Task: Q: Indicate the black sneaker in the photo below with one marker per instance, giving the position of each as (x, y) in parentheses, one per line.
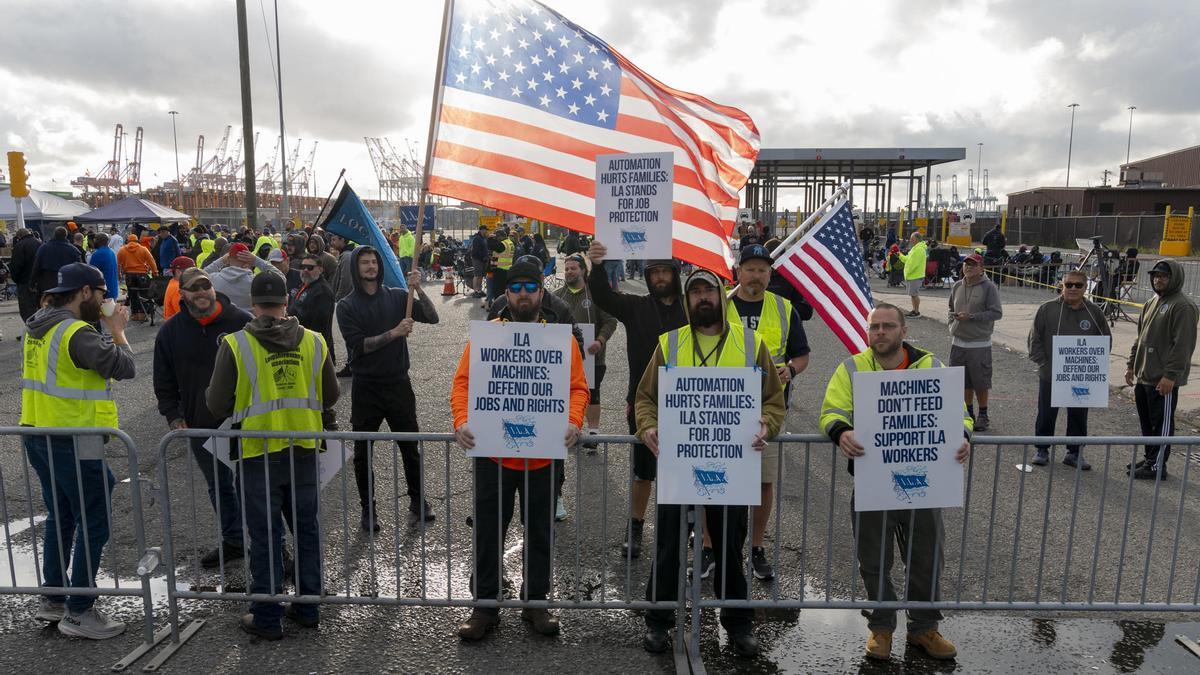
(758, 561)
(294, 614)
(248, 625)
(913, 314)
(344, 372)
(982, 422)
(229, 550)
(634, 544)
(1042, 458)
(1148, 472)
(1072, 459)
(416, 513)
(370, 521)
(1134, 466)
(745, 644)
(656, 641)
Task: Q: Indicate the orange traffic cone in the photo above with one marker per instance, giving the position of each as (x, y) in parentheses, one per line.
(448, 287)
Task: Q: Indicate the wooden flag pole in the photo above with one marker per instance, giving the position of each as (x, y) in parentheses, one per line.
(434, 117)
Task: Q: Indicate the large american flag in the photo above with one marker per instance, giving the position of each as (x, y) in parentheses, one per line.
(826, 266)
(528, 101)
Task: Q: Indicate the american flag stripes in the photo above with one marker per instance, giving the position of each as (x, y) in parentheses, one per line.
(528, 101)
(826, 266)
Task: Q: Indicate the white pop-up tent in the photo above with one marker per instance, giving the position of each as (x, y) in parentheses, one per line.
(40, 206)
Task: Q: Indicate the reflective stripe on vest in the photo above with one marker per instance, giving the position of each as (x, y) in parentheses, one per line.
(773, 326)
(259, 406)
(55, 391)
(50, 387)
(505, 259)
(672, 354)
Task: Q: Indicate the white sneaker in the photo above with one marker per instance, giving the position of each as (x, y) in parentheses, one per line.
(50, 611)
(560, 511)
(92, 624)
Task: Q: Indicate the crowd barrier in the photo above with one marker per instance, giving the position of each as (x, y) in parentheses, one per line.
(1045, 539)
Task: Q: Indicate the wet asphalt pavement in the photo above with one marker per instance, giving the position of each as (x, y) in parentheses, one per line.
(1033, 540)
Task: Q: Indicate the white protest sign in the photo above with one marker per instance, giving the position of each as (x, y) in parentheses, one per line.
(329, 462)
(519, 389)
(1079, 371)
(634, 195)
(707, 419)
(589, 359)
(911, 424)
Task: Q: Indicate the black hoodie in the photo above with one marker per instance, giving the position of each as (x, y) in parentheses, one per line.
(361, 315)
(645, 318)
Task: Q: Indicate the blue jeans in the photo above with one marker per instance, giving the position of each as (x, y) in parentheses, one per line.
(613, 269)
(405, 264)
(229, 512)
(269, 485)
(72, 521)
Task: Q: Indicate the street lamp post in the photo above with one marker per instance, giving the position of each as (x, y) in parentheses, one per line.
(1129, 139)
(978, 179)
(175, 137)
(1071, 141)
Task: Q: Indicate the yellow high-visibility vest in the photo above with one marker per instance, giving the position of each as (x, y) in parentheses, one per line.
(55, 392)
(505, 259)
(277, 391)
(740, 348)
(774, 323)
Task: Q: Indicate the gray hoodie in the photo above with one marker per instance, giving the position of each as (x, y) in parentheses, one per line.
(235, 281)
(1058, 318)
(981, 301)
(88, 348)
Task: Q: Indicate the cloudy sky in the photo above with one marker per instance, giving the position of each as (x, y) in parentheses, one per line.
(812, 73)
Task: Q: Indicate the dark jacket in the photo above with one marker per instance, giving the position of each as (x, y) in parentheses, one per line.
(343, 280)
(645, 318)
(1166, 335)
(1056, 317)
(184, 355)
(313, 305)
(361, 315)
(23, 254)
(994, 241)
(276, 335)
(780, 286)
(327, 259)
(52, 256)
(479, 247)
(168, 250)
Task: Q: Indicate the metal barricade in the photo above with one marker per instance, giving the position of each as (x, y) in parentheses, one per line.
(123, 568)
(1043, 539)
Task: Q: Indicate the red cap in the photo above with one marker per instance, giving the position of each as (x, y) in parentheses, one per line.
(238, 248)
(975, 258)
(182, 263)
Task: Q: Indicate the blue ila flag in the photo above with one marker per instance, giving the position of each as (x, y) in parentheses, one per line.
(350, 218)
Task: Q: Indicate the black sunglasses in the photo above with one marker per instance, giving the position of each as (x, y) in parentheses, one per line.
(1074, 284)
(527, 286)
(308, 267)
(200, 285)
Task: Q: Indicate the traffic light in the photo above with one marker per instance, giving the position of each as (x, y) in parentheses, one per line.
(17, 175)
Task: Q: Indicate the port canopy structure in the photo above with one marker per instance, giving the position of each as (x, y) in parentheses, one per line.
(872, 172)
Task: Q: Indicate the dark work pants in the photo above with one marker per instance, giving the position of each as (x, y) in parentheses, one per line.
(729, 579)
(1047, 417)
(879, 534)
(27, 301)
(370, 404)
(269, 485)
(136, 284)
(221, 492)
(1157, 415)
(494, 489)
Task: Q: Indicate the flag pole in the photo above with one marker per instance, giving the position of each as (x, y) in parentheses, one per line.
(325, 204)
(434, 108)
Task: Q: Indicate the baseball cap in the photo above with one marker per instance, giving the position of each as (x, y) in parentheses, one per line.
(755, 252)
(238, 248)
(182, 263)
(268, 288)
(77, 275)
(526, 268)
(662, 262)
(975, 258)
(701, 275)
(1160, 267)
(276, 255)
(189, 277)
(575, 257)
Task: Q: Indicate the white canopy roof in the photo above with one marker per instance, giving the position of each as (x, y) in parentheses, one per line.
(40, 206)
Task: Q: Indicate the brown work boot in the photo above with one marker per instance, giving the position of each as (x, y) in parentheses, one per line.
(879, 645)
(934, 645)
(477, 626)
(543, 622)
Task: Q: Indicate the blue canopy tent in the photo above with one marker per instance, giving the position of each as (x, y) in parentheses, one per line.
(134, 210)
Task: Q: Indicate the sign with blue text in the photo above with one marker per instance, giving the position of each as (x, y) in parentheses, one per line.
(910, 423)
(519, 389)
(707, 419)
(1079, 371)
(634, 204)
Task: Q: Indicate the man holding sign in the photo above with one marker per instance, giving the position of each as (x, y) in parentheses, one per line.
(876, 531)
(599, 325)
(706, 427)
(515, 381)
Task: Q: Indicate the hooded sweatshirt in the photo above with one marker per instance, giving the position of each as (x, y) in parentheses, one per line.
(88, 349)
(276, 335)
(220, 246)
(206, 249)
(343, 280)
(362, 315)
(980, 300)
(645, 317)
(233, 281)
(133, 258)
(1058, 318)
(646, 401)
(1166, 334)
(328, 262)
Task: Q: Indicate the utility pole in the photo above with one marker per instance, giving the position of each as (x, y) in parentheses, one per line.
(1070, 142)
(247, 116)
(978, 177)
(175, 136)
(1106, 173)
(284, 212)
(1129, 139)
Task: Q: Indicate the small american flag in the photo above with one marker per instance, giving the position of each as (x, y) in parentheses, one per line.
(826, 266)
(529, 99)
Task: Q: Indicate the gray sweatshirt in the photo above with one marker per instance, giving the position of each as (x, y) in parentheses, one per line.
(1058, 318)
(235, 281)
(88, 348)
(981, 302)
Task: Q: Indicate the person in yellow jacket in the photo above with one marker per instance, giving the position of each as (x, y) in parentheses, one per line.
(276, 375)
(875, 531)
(67, 368)
(709, 339)
(914, 270)
(406, 244)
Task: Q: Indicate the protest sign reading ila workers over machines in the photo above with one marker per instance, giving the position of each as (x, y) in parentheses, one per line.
(634, 195)
(519, 389)
(1079, 371)
(707, 419)
(911, 424)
